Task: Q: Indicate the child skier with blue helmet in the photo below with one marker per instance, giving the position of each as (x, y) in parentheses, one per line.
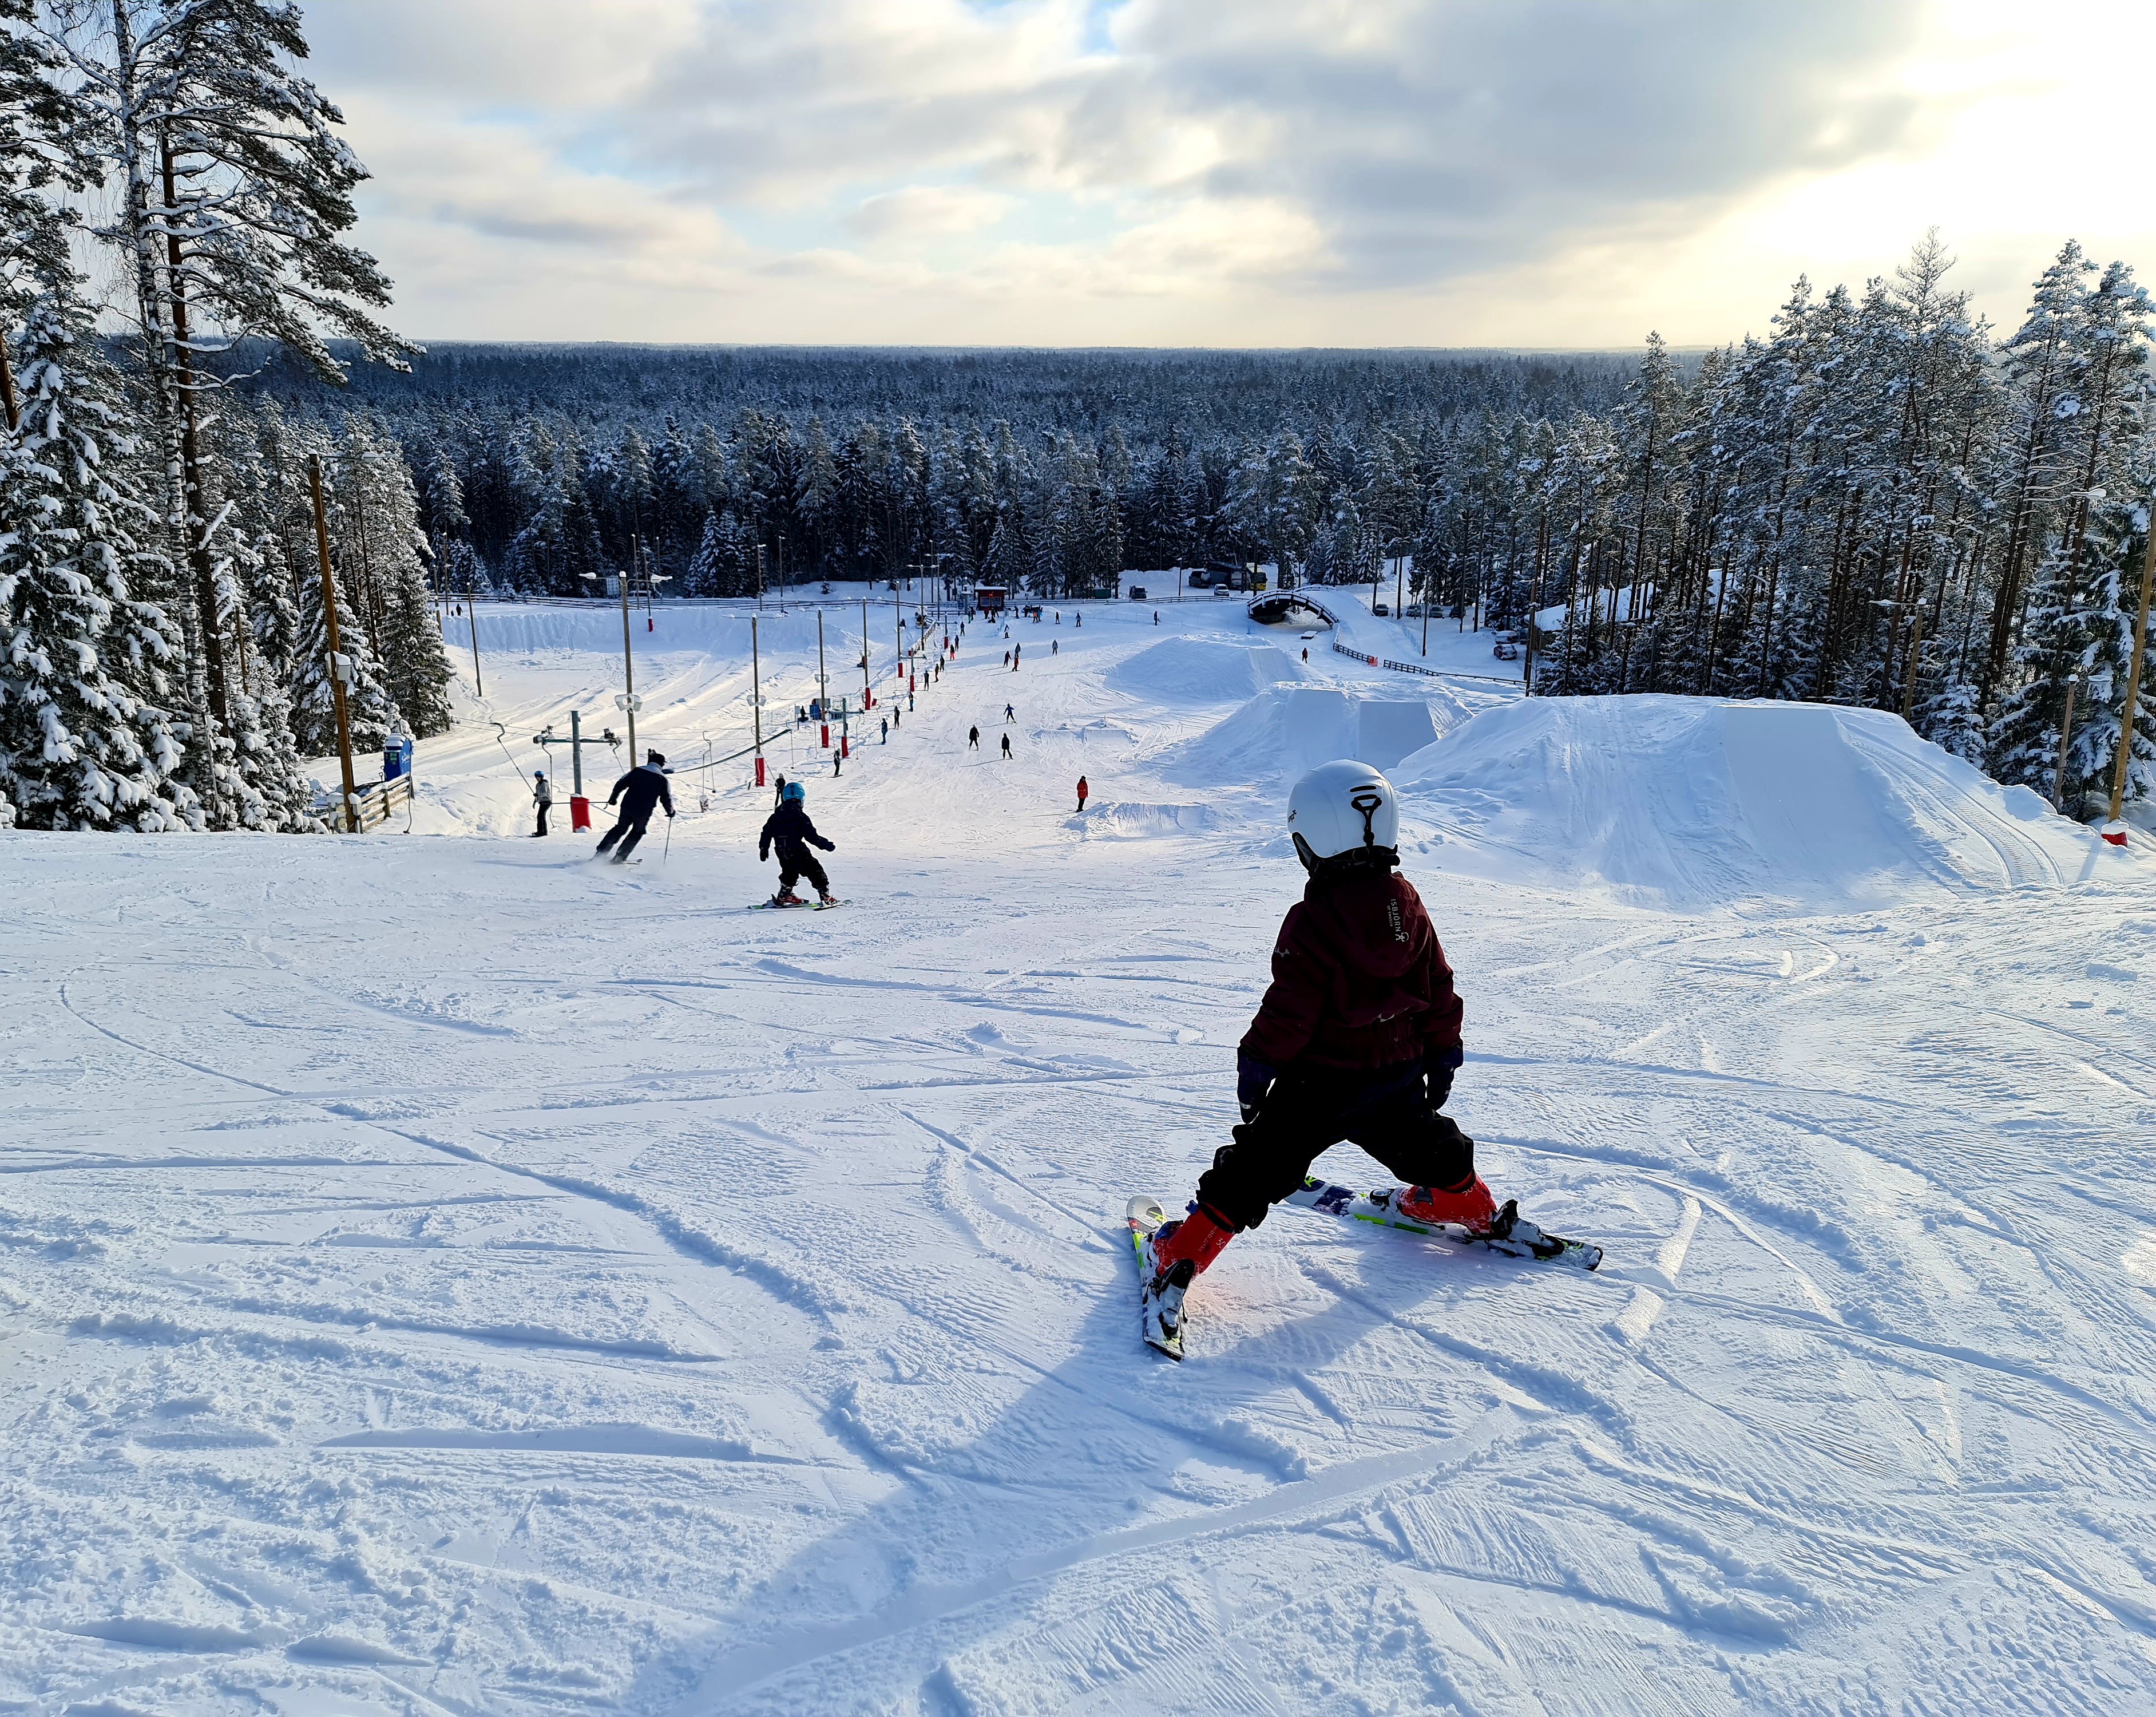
(789, 830)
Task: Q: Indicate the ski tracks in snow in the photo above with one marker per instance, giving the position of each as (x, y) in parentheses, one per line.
(555, 1290)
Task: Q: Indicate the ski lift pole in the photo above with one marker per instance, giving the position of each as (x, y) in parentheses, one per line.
(628, 672)
(868, 691)
(822, 684)
(756, 694)
(471, 614)
(340, 665)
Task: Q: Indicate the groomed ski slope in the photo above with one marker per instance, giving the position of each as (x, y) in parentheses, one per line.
(438, 1276)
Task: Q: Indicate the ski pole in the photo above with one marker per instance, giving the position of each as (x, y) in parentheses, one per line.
(669, 847)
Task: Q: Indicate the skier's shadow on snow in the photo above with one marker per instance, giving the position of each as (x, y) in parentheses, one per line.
(1058, 1479)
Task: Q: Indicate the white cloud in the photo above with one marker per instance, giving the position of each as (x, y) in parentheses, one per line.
(1306, 171)
(920, 211)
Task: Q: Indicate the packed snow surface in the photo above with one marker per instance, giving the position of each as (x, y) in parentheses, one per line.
(440, 1276)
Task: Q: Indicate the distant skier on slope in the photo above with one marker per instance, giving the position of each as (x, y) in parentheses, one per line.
(1358, 1038)
(638, 791)
(542, 799)
(973, 738)
(1007, 751)
(1082, 791)
(789, 830)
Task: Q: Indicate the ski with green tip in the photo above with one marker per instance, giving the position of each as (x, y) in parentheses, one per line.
(1160, 1314)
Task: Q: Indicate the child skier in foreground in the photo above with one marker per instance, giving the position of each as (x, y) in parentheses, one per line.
(1358, 1038)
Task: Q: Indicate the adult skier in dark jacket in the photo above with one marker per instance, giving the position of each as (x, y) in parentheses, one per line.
(1358, 1038)
(789, 830)
(640, 790)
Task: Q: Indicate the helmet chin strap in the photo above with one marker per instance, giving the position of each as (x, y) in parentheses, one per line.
(1369, 856)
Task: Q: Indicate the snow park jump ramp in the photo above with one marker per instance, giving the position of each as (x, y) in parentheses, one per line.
(1686, 804)
(1286, 729)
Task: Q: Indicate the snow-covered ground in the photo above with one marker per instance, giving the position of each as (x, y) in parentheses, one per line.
(436, 1275)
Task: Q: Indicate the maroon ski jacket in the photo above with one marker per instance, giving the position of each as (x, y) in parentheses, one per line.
(1358, 981)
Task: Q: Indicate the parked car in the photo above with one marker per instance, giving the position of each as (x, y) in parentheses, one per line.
(1382, 611)
(1137, 593)
(1507, 652)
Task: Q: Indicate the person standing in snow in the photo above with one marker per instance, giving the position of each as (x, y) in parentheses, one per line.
(973, 738)
(1358, 1038)
(1010, 715)
(640, 790)
(1007, 751)
(1006, 658)
(789, 830)
(542, 800)
(1081, 795)
(883, 725)
(778, 792)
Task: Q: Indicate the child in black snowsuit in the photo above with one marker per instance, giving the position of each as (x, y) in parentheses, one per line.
(789, 830)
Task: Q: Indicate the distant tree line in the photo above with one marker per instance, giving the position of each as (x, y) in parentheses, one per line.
(1877, 501)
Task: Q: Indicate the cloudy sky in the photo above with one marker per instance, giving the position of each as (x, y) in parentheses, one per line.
(1217, 173)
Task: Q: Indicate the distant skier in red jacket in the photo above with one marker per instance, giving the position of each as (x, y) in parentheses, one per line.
(1082, 790)
(1358, 1038)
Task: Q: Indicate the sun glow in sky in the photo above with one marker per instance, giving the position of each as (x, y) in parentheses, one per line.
(1275, 172)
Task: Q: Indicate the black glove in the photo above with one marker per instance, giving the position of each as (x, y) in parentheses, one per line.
(1253, 1080)
(1437, 1072)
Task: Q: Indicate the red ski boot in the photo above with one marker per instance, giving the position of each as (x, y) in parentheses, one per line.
(1197, 1238)
(1469, 1204)
(1174, 1255)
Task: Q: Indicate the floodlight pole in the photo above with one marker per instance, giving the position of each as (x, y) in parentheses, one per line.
(2124, 760)
(336, 647)
(7, 389)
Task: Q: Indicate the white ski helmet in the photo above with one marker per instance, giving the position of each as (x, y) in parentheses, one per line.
(1340, 811)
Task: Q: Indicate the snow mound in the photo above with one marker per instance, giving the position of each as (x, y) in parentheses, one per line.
(1204, 670)
(1287, 729)
(1118, 821)
(1685, 801)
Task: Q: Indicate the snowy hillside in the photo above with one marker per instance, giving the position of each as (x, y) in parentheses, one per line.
(438, 1275)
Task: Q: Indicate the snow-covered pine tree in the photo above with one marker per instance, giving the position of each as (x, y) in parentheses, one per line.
(373, 714)
(234, 192)
(85, 740)
(379, 514)
(254, 580)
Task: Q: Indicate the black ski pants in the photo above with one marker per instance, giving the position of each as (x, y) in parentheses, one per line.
(1308, 1112)
(625, 826)
(544, 806)
(795, 862)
